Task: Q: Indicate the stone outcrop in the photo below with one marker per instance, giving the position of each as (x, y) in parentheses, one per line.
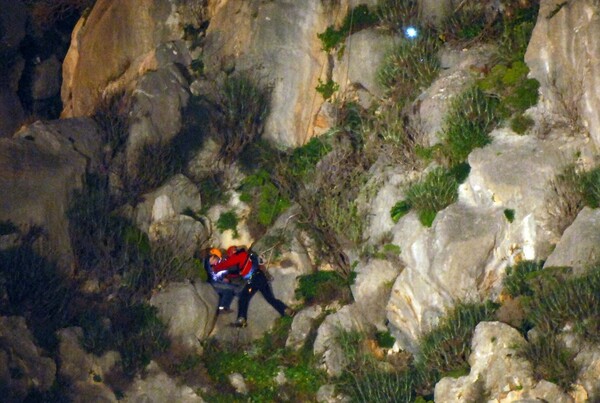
(156, 386)
(371, 289)
(451, 261)
(188, 310)
(23, 366)
(129, 33)
(578, 247)
(564, 56)
(84, 371)
(40, 169)
(278, 42)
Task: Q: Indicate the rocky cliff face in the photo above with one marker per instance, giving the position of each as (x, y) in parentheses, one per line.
(168, 54)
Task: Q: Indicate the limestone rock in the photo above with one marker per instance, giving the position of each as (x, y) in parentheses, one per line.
(130, 33)
(302, 326)
(495, 369)
(181, 235)
(40, 169)
(452, 261)
(357, 69)
(168, 201)
(371, 289)
(432, 106)
(514, 172)
(188, 310)
(23, 368)
(158, 99)
(11, 111)
(327, 345)
(46, 79)
(579, 244)
(327, 394)
(278, 41)
(239, 383)
(157, 387)
(564, 56)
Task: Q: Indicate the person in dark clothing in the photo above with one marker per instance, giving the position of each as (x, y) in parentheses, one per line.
(240, 262)
(222, 285)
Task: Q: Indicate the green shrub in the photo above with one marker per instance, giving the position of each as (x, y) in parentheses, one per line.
(517, 278)
(357, 19)
(396, 15)
(303, 160)
(590, 185)
(516, 32)
(265, 198)
(243, 108)
(385, 339)
(408, 68)
(435, 192)
(399, 210)
(447, 347)
(327, 89)
(551, 361)
(323, 287)
(228, 221)
(471, 118)
(559, 299)
(509, 214)
(466, 23)
(520, 124)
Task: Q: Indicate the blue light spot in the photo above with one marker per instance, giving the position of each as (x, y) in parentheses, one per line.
(411, 32)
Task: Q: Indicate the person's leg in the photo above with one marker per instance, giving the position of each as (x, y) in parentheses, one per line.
(260, 282)
(225, 299)
(243, 303)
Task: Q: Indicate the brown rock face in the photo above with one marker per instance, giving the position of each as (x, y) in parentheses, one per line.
(114, 42)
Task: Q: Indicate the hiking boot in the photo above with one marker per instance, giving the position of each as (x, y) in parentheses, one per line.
(240, 322)
(223, 310)
(289, 312)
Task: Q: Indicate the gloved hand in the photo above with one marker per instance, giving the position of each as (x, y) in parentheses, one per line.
(219, 276)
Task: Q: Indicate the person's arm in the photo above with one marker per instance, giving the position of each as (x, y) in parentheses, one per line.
(231, 264)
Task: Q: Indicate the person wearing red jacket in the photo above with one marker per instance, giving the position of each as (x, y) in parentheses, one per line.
(239, 262)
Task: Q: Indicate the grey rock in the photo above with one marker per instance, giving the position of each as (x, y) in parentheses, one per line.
(23, 366)
(46, 79)
(371, 289)
(11, 111)
(302, 325)
(157, 387)
(357, 69)
(579, 244)
(454, 260)
(189, 312)
(176, 196)
(40, 169)
(564, 56)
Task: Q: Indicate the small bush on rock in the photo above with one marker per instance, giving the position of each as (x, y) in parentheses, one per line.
(242, 110)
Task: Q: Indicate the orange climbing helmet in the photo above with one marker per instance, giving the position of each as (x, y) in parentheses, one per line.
(216, 252)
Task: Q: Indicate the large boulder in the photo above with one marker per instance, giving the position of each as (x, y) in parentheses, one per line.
(23, 366)
(579, 245)
(497, 371)
(40, 169)
(371, 289)
(455, 260)
(172, 199)
(279, 42)
(130, 33)
(564, 56)
(357, 68)
(155, 386)
(188, 310)
(84, 371)
(328, 343)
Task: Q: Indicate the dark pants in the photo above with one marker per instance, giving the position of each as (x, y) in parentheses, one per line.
(260, 283)
(226, 293)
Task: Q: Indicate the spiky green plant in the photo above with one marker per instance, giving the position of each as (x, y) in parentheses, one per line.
(467, 126)
(517, 278)
(551, 360)
(409, 67)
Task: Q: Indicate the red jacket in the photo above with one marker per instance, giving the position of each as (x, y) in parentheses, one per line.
(234, 263)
